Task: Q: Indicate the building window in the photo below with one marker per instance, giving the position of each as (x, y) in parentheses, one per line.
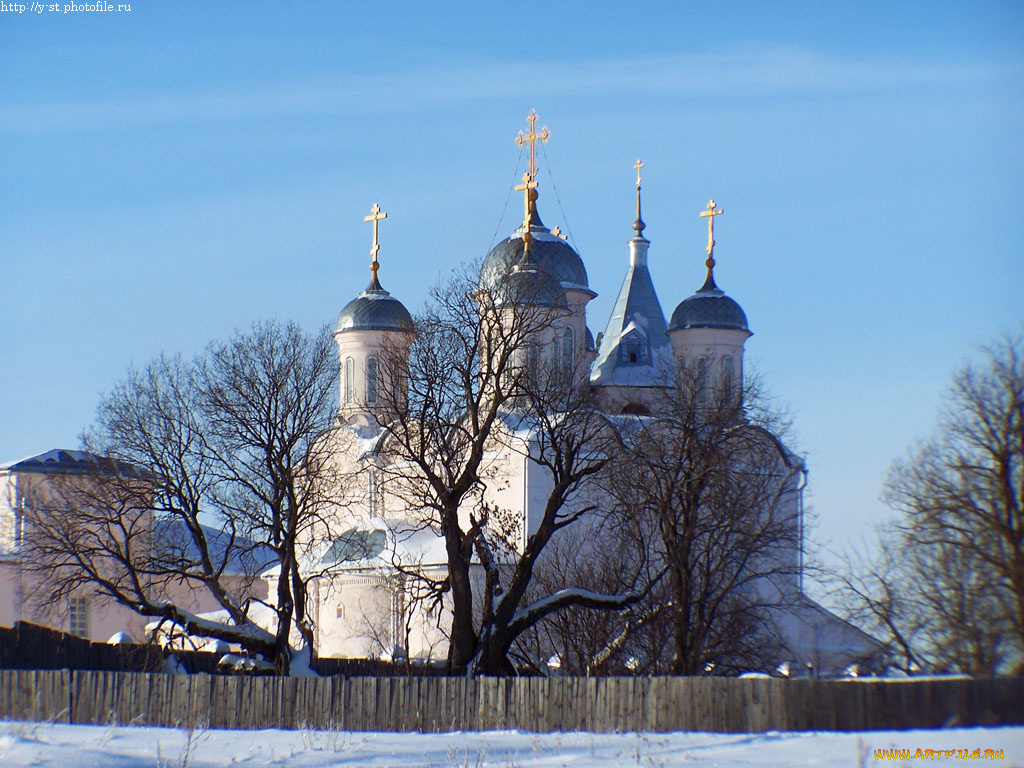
(633, 349)
(78, 616)
(349, 380)
(636, 409)
(727, 375)
(371, 380)
(568, 352)
(340, 612)
(702, 380)
(532, 364)
(398, 627)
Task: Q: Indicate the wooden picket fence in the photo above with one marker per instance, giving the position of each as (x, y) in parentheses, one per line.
(439, 704)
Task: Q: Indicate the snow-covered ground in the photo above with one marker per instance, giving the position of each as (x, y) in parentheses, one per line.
(71, 746)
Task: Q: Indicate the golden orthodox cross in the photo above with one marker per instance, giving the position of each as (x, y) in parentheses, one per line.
(527, 185)
(376, 214)
(638, 166)
(533, 137)
(711, 212)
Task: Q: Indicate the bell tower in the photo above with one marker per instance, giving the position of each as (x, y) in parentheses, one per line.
(708, 330)
(373, 334)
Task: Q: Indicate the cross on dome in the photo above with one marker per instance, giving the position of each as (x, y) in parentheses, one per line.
(710, 212)
(528, 186)
(376, 214)
(638, 225)
(532, 138)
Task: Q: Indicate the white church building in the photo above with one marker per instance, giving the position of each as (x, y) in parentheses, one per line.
(361, 607)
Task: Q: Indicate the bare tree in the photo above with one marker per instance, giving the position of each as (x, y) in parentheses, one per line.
(479, 383)
(881, 596)
(714, 487)
(208, 465)
(581, 641)
(960, 535)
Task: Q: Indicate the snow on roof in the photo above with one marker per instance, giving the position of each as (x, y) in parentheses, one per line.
(366, 439)
(60, 461)
(242, 555)
(260, 614)
(379, 542)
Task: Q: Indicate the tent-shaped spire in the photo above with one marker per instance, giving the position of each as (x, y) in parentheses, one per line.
(634, 350)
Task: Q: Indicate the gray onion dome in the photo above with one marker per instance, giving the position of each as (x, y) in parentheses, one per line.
(528, 285)
(708, 308)
(549, 251)
(374, 310)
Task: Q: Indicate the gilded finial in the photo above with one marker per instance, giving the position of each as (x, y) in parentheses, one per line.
(376, 214)
(710, 212)
(529, 190)
(532, 138)
(638, 225)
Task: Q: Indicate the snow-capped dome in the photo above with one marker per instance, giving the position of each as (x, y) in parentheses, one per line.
(374, 310)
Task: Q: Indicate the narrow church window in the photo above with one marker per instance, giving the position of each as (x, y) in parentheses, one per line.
(371, 380)
(532, 364)
(349, 380)
(702, 380)
(398, 624)
(727, 375)
(568, 352)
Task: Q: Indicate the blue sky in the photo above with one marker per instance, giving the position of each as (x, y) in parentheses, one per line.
(179, 170)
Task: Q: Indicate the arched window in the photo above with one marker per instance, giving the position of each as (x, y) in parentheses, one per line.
(349, 380)
(727, 375)
(702, 380)
(371, 380)
(532, 363)
(568, 352)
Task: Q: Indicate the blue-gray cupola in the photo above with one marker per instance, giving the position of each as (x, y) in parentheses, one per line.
(371, 330)
(708, 329)
(709, 307)
(547, 250)
(634, 354)
(374, 310)
(535, 266)
(523, 281)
